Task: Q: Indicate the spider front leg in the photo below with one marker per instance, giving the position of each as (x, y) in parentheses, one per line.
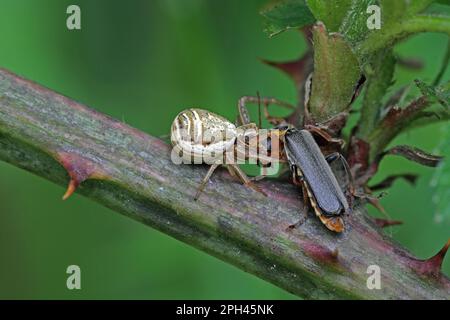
(244, 117)
(324, 134)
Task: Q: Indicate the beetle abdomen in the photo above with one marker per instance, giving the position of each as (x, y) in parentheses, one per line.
(303, 151)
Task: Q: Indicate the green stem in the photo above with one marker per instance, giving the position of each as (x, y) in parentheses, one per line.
(388, 35)
(377, 85)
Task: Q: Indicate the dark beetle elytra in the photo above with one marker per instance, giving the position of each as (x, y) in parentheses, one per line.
(312, 171)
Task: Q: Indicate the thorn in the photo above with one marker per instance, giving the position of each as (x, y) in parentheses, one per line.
(297, 69)
(436, 260)
(433, 265)
(321, 253)
(79, 169)
(383, 223)
(376, 203)
(71, 188)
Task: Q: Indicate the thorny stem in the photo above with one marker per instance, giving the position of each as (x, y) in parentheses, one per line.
(131, 172)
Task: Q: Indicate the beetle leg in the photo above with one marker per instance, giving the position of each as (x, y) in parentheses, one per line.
(298, 180)
(244, 116)
(306, 206)
(205, 180)
(245, 180)
(305, 198)
(351, 188)
(332, 157)
(336, 155)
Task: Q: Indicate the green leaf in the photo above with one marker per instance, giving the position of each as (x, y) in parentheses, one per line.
(354, 27)
(440, 182)
(336, 74)
(330, 12)
(286, 14)
(394, 14)
(436, 94)
(439, 94)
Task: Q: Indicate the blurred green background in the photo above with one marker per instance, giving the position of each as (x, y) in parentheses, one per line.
(143, 62)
